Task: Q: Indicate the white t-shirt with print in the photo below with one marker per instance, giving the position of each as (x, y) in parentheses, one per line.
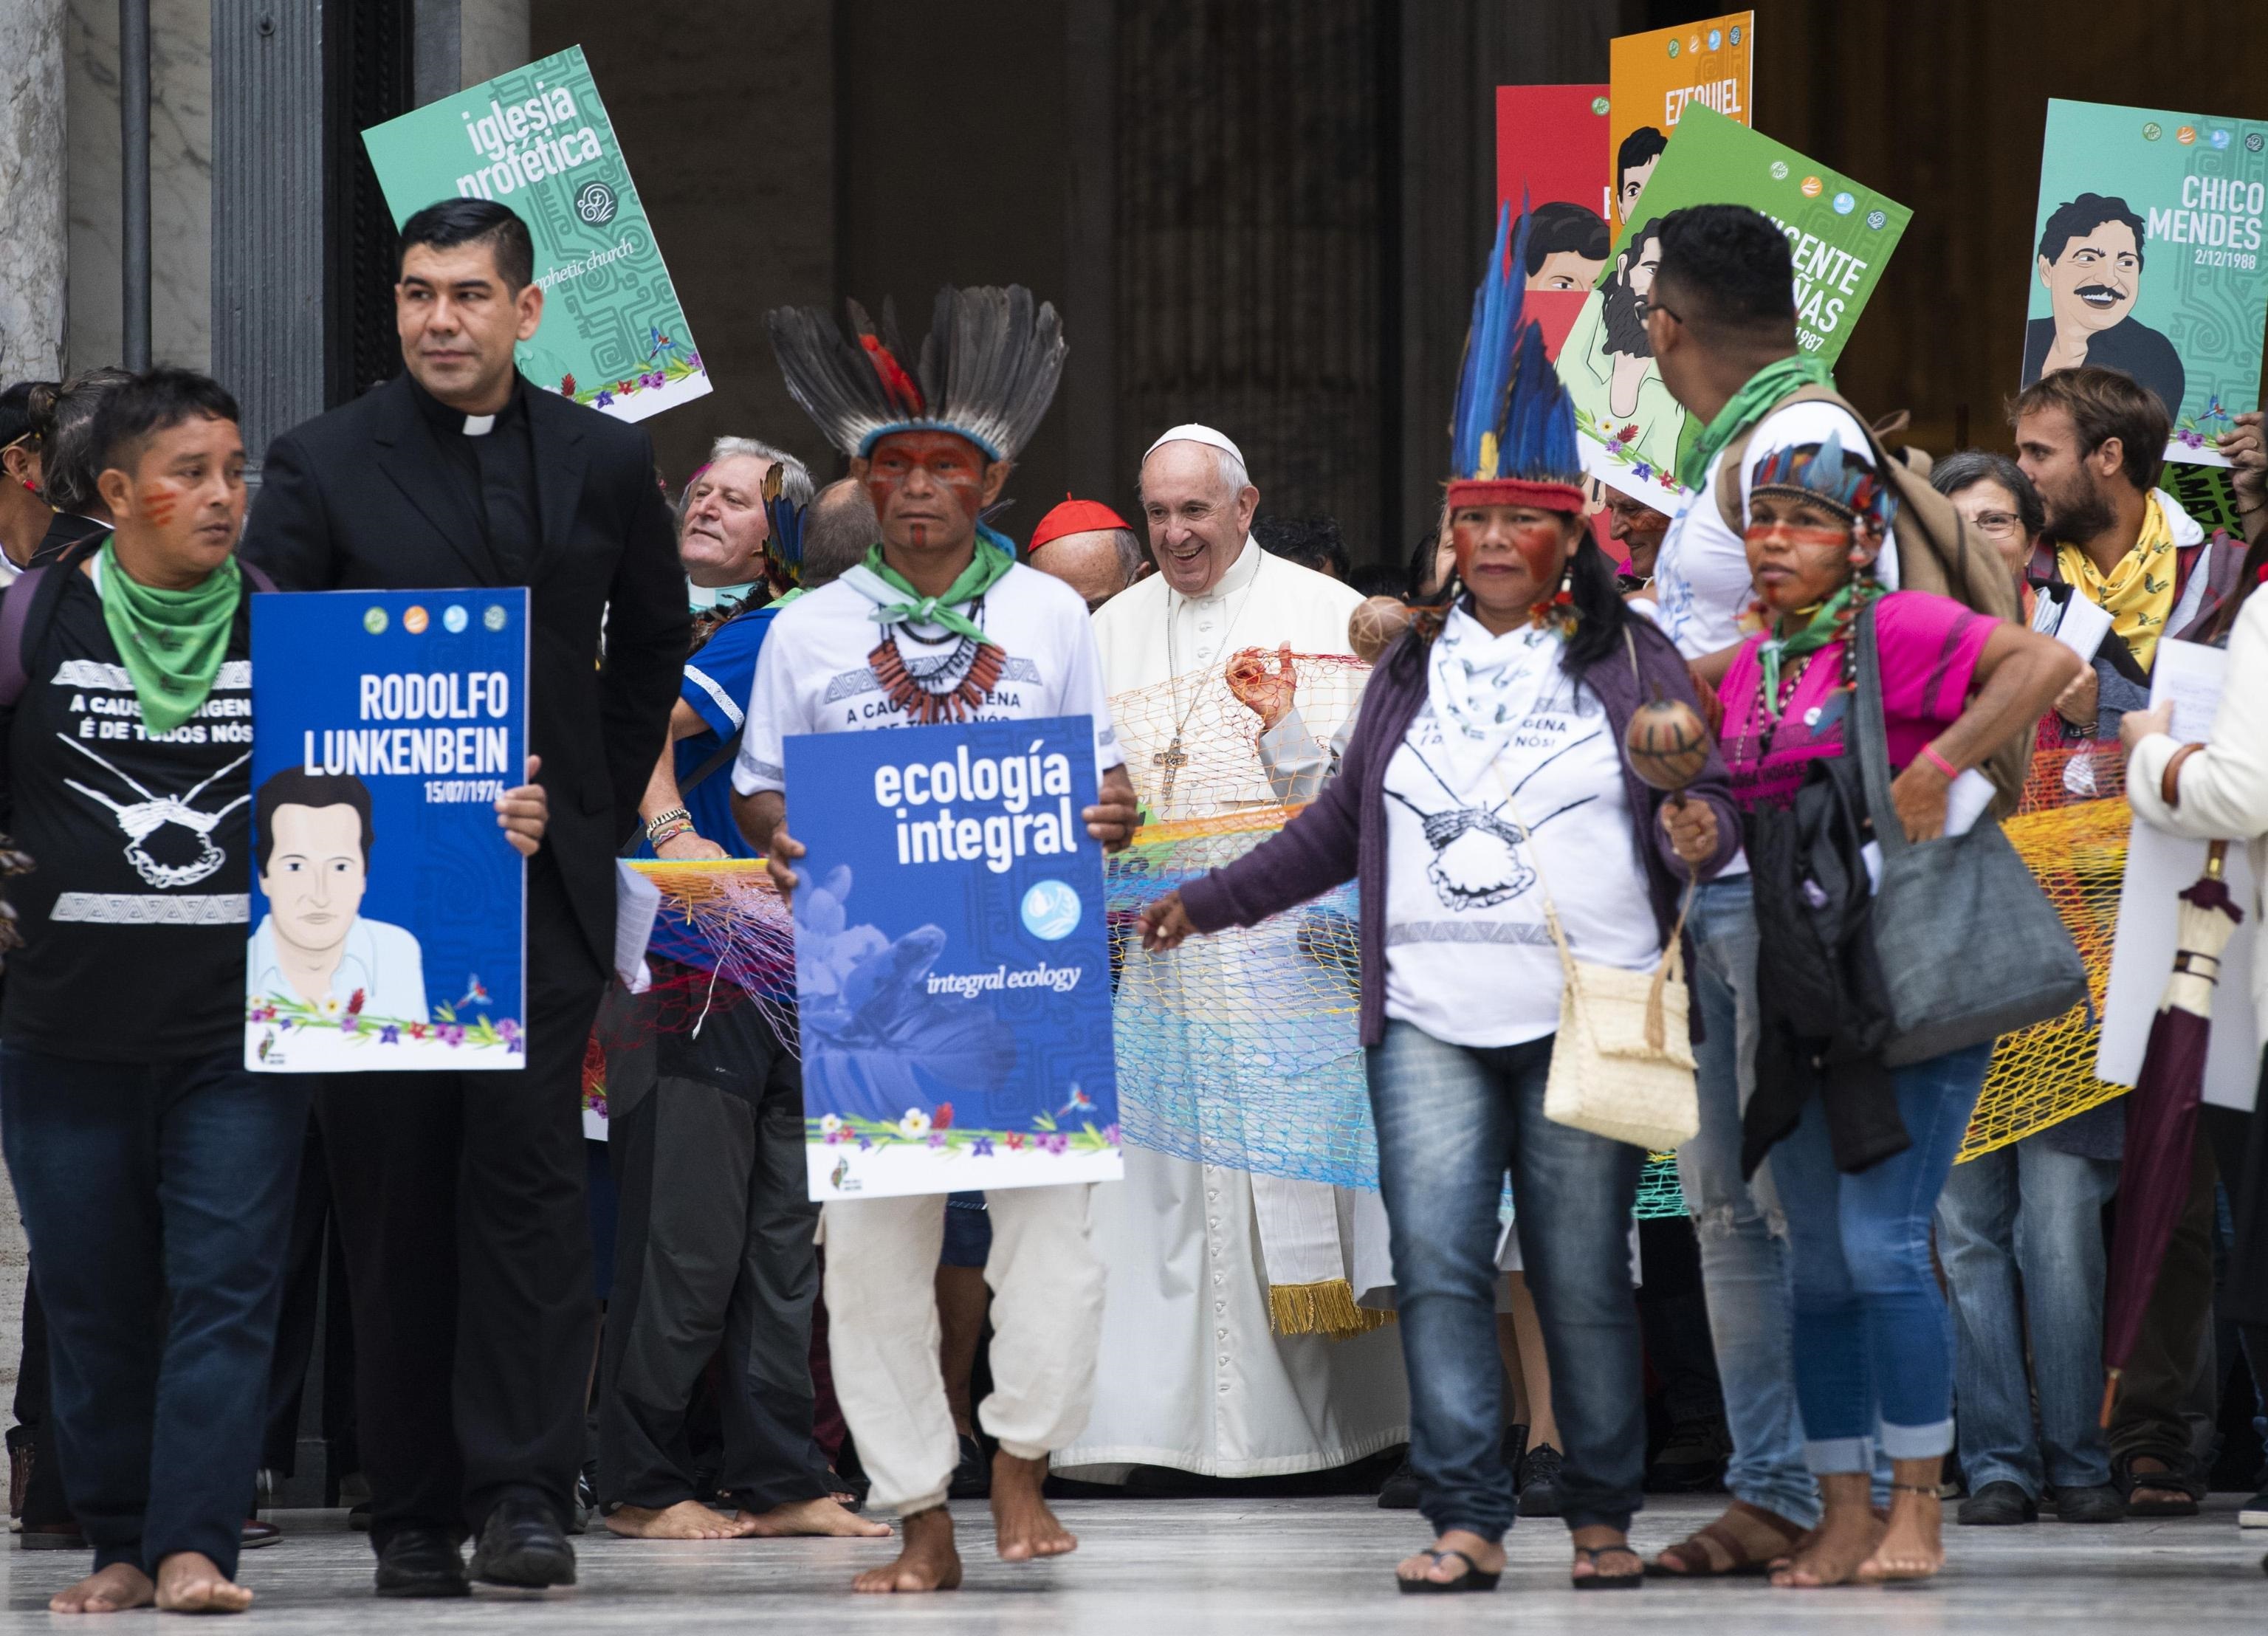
(813, 675)
(1701, 580)
(1468, 957)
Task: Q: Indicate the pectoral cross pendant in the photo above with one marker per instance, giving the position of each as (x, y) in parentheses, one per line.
(1173, 758)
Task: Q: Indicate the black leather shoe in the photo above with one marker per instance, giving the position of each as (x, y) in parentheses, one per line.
(972, 1478)
(1399, 1492)
(2099, 1504)
(521, 1546)
(1539, 1482)
(421, 1562)
(1998, 1505)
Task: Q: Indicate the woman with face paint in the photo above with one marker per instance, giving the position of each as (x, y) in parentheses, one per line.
(1871, 1344)
(1485, 791)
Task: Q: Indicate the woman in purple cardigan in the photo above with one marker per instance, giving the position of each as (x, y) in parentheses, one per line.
(1484, 778)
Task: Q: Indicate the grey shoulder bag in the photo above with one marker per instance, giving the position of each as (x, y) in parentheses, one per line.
(1970, 947)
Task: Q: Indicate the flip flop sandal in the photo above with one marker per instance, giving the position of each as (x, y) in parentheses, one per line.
(1471, 1579)
(1695, 1560)
(1599, 1580)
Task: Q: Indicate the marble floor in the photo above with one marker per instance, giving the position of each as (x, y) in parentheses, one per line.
(1191, 1568)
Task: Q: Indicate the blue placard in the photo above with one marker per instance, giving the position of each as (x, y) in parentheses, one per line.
(388, 911)
(953, 969)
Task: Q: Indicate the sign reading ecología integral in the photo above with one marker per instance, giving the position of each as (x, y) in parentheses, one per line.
(952, 964)
(538, 139)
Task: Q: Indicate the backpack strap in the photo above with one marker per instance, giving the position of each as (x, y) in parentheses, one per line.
(15, 615)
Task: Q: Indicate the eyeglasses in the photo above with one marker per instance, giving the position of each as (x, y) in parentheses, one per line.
(1998, 524)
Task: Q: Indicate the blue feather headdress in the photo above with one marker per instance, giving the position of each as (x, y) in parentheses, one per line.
(1847, 485)
(1512, 434)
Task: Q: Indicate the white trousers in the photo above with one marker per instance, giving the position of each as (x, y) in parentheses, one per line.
(882, 1331)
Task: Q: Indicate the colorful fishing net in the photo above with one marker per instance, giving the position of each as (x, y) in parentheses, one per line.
(722, 938)
(1243, 1048)
(2070, 829)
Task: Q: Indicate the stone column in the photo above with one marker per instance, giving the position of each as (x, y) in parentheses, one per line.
(32, 178)
(270, 270)
(33, 188)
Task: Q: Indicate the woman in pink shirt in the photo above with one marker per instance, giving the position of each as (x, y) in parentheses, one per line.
(1872, 1344)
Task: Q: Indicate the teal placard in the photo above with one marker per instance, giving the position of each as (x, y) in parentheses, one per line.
(538, 139)
(2146, 256)
(1840, 233)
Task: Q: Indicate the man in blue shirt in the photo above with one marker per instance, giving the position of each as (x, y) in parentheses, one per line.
(687, 808)
(714, 1247)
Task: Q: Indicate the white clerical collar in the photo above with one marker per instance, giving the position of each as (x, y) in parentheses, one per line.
(1240, 573)
(479, 426)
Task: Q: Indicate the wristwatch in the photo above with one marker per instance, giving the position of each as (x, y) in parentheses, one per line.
(668, 822)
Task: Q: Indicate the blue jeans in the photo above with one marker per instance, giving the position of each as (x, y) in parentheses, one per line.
(1873, 1342)
(1744, 1260)
(1450, 1121)
(2028, 1211)
(155, 1193)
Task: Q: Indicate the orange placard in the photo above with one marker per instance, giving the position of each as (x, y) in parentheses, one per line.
(1654, 76)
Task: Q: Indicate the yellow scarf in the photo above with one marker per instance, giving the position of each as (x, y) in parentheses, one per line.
(2139, 593)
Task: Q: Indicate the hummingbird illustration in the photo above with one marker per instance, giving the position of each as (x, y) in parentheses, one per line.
(1079, 1103)
(474, 993)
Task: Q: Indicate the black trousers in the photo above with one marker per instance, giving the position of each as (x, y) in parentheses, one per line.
(459, 1201)
(714, 1255)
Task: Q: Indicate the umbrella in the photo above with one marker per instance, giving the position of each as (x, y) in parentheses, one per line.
(2161, 1115)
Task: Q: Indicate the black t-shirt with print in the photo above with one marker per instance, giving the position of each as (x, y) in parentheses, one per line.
(134, 919)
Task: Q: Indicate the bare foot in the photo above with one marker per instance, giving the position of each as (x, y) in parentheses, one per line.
(189, 1583)
(1841, 1541)
(687, 1519)
(1913, 1546)
(1444, 1559)
(1021, 1522)
(117, 1587)
(927, 1562)
(800, 1518)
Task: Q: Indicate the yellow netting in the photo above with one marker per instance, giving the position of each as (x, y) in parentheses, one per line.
(2070, 829)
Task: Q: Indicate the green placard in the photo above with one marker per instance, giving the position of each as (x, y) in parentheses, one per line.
(538, 139)
(2146, 256)
(1840, 232)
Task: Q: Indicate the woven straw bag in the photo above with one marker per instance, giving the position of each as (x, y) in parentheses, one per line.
(1622, 1063)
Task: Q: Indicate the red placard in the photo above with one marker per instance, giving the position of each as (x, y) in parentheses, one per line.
(1552, 149)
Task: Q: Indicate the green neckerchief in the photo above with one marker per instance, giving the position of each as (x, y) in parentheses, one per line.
(986, 569)
(1827, 622)
(1766, 387)
(172, 641)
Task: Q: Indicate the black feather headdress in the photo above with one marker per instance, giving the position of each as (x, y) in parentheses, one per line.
(988, 370)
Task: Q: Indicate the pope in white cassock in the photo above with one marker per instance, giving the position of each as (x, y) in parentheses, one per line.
(1194, 1376)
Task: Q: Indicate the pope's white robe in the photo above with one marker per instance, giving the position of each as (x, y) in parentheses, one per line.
(1193, 1376)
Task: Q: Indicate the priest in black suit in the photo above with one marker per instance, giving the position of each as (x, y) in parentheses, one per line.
(461, 1196)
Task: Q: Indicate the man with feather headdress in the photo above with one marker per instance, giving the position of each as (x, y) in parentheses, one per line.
(965, 633)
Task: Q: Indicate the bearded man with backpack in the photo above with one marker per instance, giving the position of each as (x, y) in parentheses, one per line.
(1721, 322)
